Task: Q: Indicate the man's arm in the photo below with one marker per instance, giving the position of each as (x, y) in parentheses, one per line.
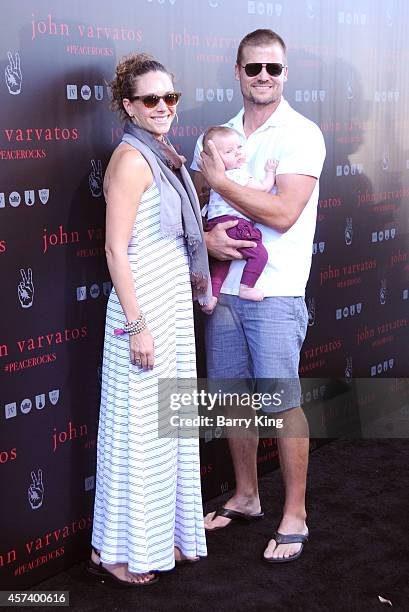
(279, 211)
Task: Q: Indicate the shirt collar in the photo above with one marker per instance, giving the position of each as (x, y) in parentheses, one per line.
(277, 118)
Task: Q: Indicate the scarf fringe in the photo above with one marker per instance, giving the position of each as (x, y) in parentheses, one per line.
(178, 233)
(200, 285)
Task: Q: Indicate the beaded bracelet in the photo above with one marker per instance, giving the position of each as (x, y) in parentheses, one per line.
(132, 327)
(138, 325)
(138, 328)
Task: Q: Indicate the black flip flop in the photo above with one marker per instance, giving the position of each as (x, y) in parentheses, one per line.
(97, 569)
(235, 515)
(291, 538)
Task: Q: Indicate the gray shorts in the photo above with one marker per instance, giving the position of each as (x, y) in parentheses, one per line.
(255, 347)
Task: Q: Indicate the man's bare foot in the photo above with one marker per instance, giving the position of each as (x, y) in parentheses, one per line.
(179, 557)
(288, 525)
(120, 570)
(208, 308)
(247, 506)
(250, 293)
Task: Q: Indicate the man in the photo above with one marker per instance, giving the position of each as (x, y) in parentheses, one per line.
(262, 340)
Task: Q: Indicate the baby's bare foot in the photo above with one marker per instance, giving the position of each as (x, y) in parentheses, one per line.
(251, 293)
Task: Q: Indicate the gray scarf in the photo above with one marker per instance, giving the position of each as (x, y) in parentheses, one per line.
(179, 206)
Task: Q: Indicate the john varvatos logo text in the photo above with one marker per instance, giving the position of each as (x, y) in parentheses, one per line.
(49, 27)
(39, 134)
(26, 347)
(33, 136)
(59, 438)
(40, 549)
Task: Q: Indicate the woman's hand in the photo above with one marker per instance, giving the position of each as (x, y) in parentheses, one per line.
(141, 349)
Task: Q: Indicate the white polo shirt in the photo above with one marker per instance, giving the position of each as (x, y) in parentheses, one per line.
(298, 145)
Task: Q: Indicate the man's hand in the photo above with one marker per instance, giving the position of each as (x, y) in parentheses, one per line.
(221, 246)
(212, 167)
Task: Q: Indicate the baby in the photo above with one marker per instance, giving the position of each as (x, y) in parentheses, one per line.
(230, 149)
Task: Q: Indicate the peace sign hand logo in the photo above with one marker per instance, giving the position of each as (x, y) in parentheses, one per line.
(12, 73)
(36, 490)
(95, 178)
(25, 288)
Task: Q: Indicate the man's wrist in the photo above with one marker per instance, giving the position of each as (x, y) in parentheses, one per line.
(221, 183)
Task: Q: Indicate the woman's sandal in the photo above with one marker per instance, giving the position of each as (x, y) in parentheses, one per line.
(186, 560)
(97, 569)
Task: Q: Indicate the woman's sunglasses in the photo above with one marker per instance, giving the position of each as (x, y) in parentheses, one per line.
(152, 100)
(273, 69)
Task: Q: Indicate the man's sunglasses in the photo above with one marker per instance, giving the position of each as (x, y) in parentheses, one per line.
(273, 69)
(152, 100)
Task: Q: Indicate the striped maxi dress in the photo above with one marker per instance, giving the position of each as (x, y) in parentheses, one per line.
(148, 495)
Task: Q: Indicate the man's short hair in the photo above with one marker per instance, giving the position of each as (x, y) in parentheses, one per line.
(217, 130)
(260, 38)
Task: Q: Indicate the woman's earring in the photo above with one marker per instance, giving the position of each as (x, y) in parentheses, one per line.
(177, 118)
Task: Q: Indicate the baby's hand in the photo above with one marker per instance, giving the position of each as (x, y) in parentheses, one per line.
(271, 165)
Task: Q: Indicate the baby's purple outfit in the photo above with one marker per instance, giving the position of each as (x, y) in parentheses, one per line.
(256, 256)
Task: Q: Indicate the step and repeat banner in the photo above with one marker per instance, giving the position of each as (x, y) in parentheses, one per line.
(348, 72)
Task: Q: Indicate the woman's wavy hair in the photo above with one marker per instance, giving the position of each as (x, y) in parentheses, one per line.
(126, 73)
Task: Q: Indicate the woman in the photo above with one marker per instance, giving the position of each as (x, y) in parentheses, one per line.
(148, 508)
